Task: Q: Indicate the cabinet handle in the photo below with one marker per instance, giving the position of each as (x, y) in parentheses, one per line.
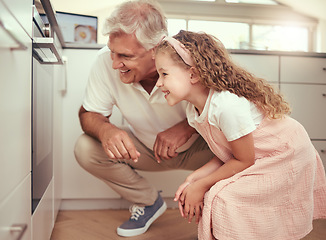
(322, 151)
(21, 46)
(18, 229)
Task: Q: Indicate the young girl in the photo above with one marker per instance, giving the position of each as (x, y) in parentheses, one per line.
(266, 180)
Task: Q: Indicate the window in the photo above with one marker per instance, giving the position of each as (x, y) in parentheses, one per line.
(235, 35)
(268, 2)
(283, 38)
(175, 25)
(230, 34)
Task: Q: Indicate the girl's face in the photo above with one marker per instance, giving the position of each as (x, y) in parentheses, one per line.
(174, 80)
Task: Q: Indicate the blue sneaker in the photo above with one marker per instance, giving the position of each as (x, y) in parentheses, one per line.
(142, 218)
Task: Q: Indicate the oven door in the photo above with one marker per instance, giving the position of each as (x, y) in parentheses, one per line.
(42, 166)
(45, 55)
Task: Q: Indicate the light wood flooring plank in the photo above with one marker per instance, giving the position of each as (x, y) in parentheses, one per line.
(102, 224)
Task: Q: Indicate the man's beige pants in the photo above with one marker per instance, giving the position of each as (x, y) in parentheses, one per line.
(121, 176)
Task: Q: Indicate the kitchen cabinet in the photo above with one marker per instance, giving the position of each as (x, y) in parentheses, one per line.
(42, 218)
(15, 121)
(22, 11)
(263, 66)
(58, 91)
(17, 220)
(303, 83)
(15, 214)
(308, 70)
(15, 97)
(321, 149)
(308, 105)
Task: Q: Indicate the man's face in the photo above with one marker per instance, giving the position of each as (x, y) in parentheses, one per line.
(130, 58)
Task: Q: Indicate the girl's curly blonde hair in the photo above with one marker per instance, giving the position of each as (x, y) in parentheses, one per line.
(217, 71)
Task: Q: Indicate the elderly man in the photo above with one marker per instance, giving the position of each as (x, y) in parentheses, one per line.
(158, 137)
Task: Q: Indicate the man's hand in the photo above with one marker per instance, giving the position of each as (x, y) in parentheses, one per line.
(117, 144)
(168, 141)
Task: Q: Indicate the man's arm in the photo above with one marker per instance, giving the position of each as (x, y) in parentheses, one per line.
(168, 141)
(115, 142)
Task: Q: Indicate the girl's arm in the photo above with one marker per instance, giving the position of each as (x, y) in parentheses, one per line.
(192, 196)
(201, 172)
(244, 156)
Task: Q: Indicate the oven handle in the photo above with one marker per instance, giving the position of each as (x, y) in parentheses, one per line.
(21, 46)
(46, 51)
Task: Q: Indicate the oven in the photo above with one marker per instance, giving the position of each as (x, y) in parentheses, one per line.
(45, 55)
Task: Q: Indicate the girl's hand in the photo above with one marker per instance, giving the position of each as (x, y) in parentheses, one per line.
(192, 201)
(181, 188)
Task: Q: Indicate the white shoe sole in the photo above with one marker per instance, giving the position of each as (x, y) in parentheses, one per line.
(138, 231)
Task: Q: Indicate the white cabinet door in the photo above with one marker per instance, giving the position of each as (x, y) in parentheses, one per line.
(263, 66)
(321, 148)
(15, 212)
(308, 104)
(303, 70)
(22, 10)
(42, 219)
(15, 102)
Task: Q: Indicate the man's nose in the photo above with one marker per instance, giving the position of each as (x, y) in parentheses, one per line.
(117, 62)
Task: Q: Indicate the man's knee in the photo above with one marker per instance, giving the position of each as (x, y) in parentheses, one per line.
(85, 147)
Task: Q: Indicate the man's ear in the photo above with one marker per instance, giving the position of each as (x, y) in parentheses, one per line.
(194, 75)
(153, 52)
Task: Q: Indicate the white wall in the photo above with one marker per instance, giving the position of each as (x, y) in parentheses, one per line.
(74, 178)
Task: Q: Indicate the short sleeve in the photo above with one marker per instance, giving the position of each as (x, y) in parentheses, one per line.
(97, 95)
(232, 115)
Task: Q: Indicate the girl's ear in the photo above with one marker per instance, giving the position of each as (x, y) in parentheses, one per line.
(194, 75)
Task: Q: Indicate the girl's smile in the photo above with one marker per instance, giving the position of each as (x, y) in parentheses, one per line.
(174, 80)
(179, 82)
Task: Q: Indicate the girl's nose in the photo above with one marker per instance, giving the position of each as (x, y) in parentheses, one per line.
(159, 82)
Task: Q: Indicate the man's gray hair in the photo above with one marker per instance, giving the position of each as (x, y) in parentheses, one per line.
(144, 18)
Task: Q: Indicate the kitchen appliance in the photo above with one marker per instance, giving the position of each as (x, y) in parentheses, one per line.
(45, 54)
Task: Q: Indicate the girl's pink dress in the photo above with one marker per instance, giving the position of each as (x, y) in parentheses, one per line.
(277, 197)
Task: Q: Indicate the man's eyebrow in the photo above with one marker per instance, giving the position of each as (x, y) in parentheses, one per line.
(123, 54)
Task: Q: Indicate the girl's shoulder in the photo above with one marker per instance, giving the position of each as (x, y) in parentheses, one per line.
(225, 100)
(226, 107)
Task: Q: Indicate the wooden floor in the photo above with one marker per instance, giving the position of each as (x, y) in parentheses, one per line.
(102, 224)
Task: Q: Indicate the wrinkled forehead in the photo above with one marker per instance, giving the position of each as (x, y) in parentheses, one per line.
(122, 42)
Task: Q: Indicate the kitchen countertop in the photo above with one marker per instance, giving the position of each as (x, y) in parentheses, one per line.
(232, 51)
